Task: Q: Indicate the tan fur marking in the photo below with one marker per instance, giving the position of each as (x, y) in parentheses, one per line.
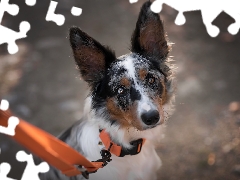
(125, 82)
(142, 74)
(115, 112)
(164, 93)
(131, 116)
(126, 118)
(159, 104)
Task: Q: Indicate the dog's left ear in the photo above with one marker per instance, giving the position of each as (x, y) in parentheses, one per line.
(92, 58)
(149, 38)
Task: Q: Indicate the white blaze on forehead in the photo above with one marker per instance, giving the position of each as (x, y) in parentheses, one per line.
(145, 103)
(145, 106)
(129, 66)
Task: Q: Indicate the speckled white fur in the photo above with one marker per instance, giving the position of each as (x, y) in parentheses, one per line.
(145, 104)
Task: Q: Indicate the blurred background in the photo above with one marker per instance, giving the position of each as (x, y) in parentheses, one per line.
(202, 139)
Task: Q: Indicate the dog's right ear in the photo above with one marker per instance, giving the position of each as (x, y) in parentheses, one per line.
(92, 59)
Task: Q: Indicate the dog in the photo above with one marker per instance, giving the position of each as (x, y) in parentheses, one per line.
(130, 99)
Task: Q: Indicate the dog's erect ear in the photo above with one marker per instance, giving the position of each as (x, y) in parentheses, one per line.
(149, 38)
(91, 57)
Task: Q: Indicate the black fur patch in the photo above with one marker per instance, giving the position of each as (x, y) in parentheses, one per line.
(134, 94)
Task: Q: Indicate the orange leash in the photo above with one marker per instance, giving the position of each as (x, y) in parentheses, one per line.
(50, 149)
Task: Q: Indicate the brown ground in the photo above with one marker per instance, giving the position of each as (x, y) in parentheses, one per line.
(202, 139)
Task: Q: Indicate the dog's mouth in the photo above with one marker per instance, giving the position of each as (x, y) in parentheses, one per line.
(151, 127)
(154, 126)
(144, 128)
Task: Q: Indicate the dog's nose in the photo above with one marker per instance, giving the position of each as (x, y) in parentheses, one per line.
(151, 117)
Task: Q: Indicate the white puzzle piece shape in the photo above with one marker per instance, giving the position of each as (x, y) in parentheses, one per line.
(51, 16)
(12, 9)
(12, 124)
(76, 11)
(4, 170)
(133, 1)
(7, 35)
(209, 9)
(30, 2)
(12, 121)
(4, 105)
(31, 171)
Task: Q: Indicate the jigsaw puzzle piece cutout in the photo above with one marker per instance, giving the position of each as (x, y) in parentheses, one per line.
(133, 1)
(180, 19)
(4, 105)
(12, 9)
(208, 16)
(31, 171)
(12, 124)
(9, 36)
(208, 13)
(4, 170)
(180, 6)
(51, 16)
(156, 6)
(76, 11)
(234, 13)
(30, 2)
(209, 10)
(233, 28)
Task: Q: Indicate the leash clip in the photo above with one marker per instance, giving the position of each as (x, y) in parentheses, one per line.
(106, 157)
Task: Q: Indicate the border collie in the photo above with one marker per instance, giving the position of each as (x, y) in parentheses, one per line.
(130, 99)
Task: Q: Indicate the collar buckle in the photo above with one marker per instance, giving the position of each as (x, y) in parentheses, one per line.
(136, 148)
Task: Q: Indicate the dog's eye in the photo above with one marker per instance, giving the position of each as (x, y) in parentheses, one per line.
(120, 90)
(151, 80)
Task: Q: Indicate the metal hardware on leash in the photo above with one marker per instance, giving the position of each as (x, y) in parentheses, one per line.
(84, 172)
(106, 158)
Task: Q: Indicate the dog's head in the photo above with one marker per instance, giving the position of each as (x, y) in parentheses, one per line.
(129, 91)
